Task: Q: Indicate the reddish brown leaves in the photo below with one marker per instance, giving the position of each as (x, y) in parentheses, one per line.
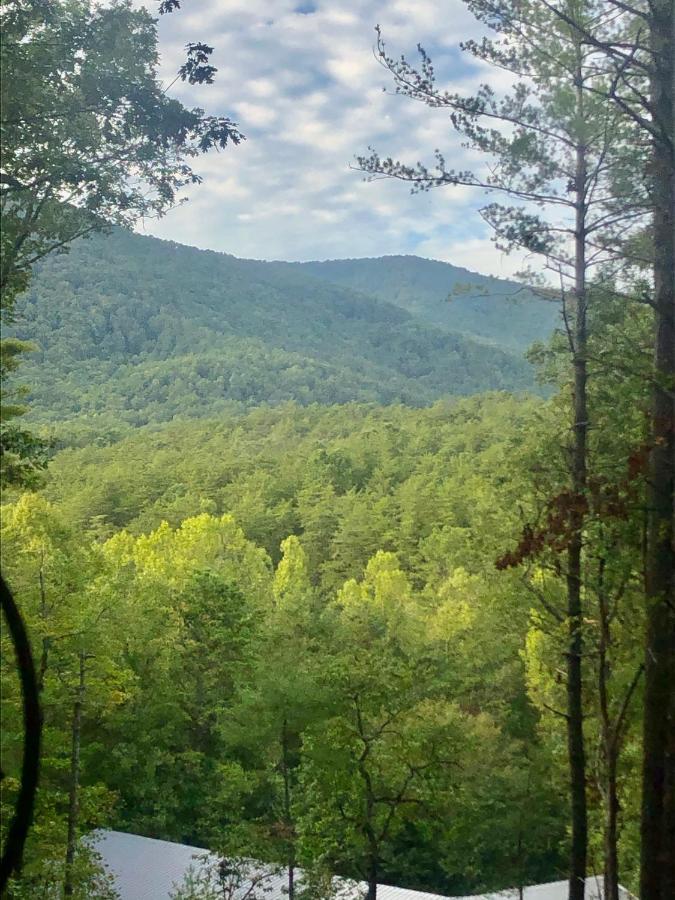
(603, 500)
(563, 512)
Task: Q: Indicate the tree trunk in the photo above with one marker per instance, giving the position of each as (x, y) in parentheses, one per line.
(46, 641)
(575, 730)
(657, 876)
(610, 737)
(611, 872)
(286, 774)
(372, 877)
(74, 787)
(371, 840)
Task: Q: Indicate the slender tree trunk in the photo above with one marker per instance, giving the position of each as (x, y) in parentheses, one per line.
(285, 770)
(575, 729)
(372, 875)
(74, 788)
(520, 843)
(657, 877)
(611, 872)
(372, 842)
(371, 837)
(609, 750)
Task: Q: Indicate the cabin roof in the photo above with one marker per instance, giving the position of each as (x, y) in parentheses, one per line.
(149, 869)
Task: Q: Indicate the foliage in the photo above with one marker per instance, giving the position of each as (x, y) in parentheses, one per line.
(136, 330)
(89, 135)
(349, 480)
(67, 611)
(227, 716)
(24, 456)
(298, 647)
(225, 879)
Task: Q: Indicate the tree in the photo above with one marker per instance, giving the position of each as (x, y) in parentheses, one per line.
(23, 456)
(383, 753)
(275, 705)
(69, 613)
(613, 555)
(552, 130)
(635, 47)
(89, 135)
(90, 139)
(202, 587)
(213, 647)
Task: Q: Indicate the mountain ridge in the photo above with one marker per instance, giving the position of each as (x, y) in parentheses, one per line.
(448, 296)
(136, 329)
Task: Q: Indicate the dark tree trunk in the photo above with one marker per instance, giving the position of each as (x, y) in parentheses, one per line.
(373, 858)
(657, 877)
(611, 873)
(286, 774)
(74, 787)
(609, 736)
(372, 838)
(575, 726)
(372, 877)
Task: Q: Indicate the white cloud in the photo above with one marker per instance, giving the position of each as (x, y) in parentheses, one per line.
(352, 67)
(257, 115)
(476, 254)
(262, 87)
(307, 91)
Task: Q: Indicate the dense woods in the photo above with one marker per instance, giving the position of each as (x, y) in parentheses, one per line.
(366, 557)
(259, 562)
(134, 330)
(359, 567)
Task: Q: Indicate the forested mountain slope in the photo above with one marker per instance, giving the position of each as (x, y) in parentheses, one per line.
(138, 330)
(481, 306)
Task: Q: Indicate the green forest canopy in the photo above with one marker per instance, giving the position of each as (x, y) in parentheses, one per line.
(353, 637)
(341, 547)
(291, 529)
(133, 329)
(452, 298)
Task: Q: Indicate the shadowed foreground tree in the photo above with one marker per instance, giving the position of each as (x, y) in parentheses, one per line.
(90, 138)
(557, 152)
(635, 47)
(89, 135)
(612, 586)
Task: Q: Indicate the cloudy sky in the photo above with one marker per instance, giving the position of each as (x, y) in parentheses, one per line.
(301, 80)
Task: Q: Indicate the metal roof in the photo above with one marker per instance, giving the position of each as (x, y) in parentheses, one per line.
(149, 869)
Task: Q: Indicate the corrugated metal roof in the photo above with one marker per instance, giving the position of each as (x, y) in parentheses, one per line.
(149, 869)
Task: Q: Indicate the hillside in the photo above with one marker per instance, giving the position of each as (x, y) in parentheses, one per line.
(449, 297)
(138, 330)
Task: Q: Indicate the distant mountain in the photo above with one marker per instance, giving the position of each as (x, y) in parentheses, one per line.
(132, 329)
(454, 299)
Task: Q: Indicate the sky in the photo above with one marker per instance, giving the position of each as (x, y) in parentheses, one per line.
(301, 80)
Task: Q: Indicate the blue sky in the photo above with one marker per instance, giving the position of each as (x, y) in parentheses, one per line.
(300, 78)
